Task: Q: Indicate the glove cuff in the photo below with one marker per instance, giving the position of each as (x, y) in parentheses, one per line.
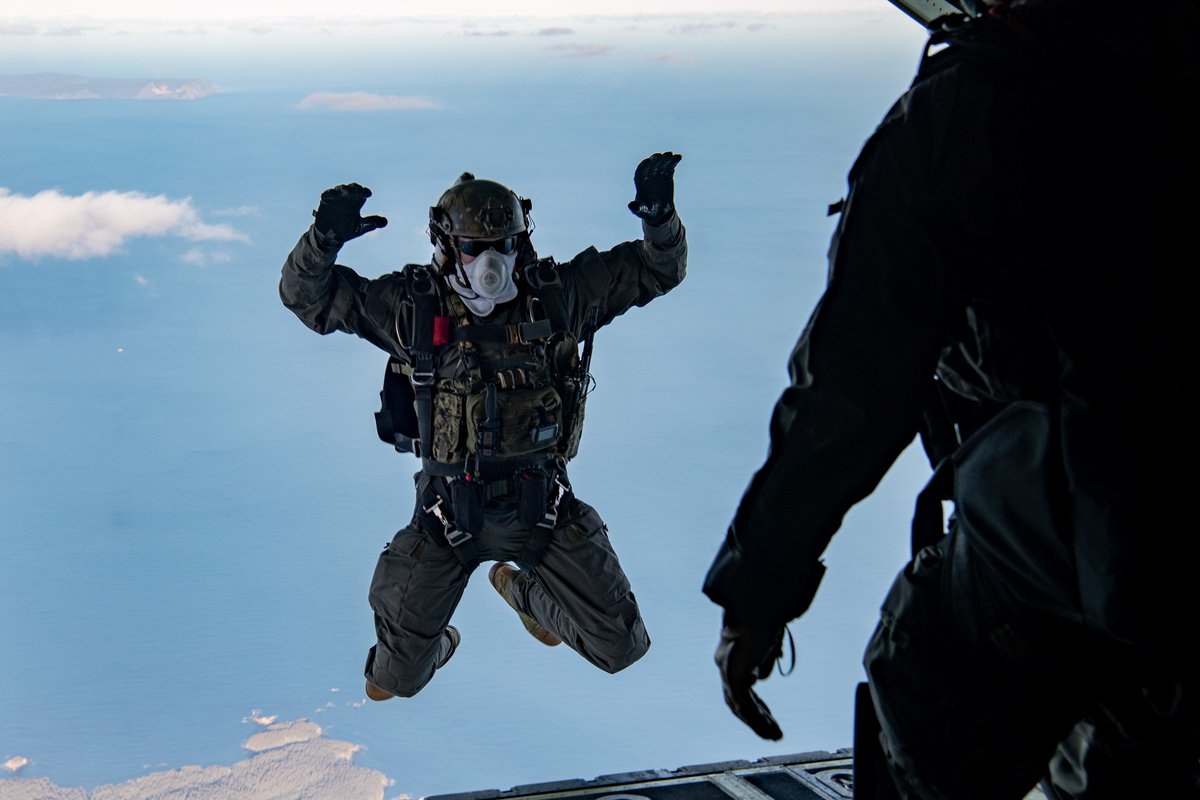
(328, 242)
(761, 597)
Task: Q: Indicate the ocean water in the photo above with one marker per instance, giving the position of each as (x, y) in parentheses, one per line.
(192, 496)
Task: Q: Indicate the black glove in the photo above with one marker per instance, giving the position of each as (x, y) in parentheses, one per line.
(654, 182)
(338, 215)
(746, 655)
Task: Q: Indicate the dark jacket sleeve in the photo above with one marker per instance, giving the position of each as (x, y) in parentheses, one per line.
(330, 297)
(865, 361)
(630, 274)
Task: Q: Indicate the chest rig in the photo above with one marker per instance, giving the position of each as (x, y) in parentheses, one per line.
(494, 408)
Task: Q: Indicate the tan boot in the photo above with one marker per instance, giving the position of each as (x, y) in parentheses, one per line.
(451, 633)
(501, 575)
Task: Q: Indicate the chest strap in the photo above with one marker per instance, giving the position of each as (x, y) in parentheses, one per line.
(522, 333)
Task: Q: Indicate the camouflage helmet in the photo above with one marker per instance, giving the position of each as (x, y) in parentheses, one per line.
(474, 208)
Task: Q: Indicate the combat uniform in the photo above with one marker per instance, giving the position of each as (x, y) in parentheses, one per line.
(575, 587)
(1011, 227)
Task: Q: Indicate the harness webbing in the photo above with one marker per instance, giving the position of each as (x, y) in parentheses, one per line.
(457, 492)
(523, 333)
(423, 295)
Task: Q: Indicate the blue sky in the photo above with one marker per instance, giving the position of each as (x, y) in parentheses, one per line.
(139, 250)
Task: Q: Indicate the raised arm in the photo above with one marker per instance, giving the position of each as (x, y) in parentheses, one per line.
(632, 273)
(327, 296)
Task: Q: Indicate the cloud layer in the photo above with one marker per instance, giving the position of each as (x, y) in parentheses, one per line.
(364, 101)
(96, 224)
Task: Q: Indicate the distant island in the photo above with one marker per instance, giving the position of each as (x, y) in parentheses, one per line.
(55, 86)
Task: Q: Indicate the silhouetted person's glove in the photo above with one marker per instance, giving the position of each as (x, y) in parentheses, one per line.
(654, 182)
(746, 655)
(339, 215)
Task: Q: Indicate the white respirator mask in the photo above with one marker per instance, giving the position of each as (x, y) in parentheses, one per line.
(490, 276)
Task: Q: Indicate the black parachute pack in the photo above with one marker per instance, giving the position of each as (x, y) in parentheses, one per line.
(396, 419)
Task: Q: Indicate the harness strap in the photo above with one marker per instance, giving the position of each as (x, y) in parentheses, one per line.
(522, 333)
(460, 541)
(443, 510)
(544, 280)
(422, 293)
(495, 469)
(539, 538)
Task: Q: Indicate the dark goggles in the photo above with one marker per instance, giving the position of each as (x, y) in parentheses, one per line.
(477, 247)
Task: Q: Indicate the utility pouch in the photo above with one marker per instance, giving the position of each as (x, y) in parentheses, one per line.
(466, 503)
(572, 420)
(526, 421)
(449, 438)
(533, 497)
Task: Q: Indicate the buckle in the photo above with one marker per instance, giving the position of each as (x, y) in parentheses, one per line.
(550, 519)
(453, 535)
(456, 536)
(422, 378)
(435, 508)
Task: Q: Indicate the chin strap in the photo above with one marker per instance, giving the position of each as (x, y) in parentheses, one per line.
(460, 274)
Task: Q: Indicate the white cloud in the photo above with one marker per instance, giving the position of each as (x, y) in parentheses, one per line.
(199, 257)
(581, 50)
(15, 763)
(673, 57)
(289, 759)
(96, 224)
(376, 9)
(240, 211)
(364, 101)
(705, 26)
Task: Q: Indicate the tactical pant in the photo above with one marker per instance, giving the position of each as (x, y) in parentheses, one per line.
(981, 696)
(577, 590)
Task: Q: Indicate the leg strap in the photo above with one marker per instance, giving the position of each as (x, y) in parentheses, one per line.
(436, 511)
(543, 529)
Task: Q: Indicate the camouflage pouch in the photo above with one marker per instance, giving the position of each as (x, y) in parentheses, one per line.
(530, 420)
(448, 423)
